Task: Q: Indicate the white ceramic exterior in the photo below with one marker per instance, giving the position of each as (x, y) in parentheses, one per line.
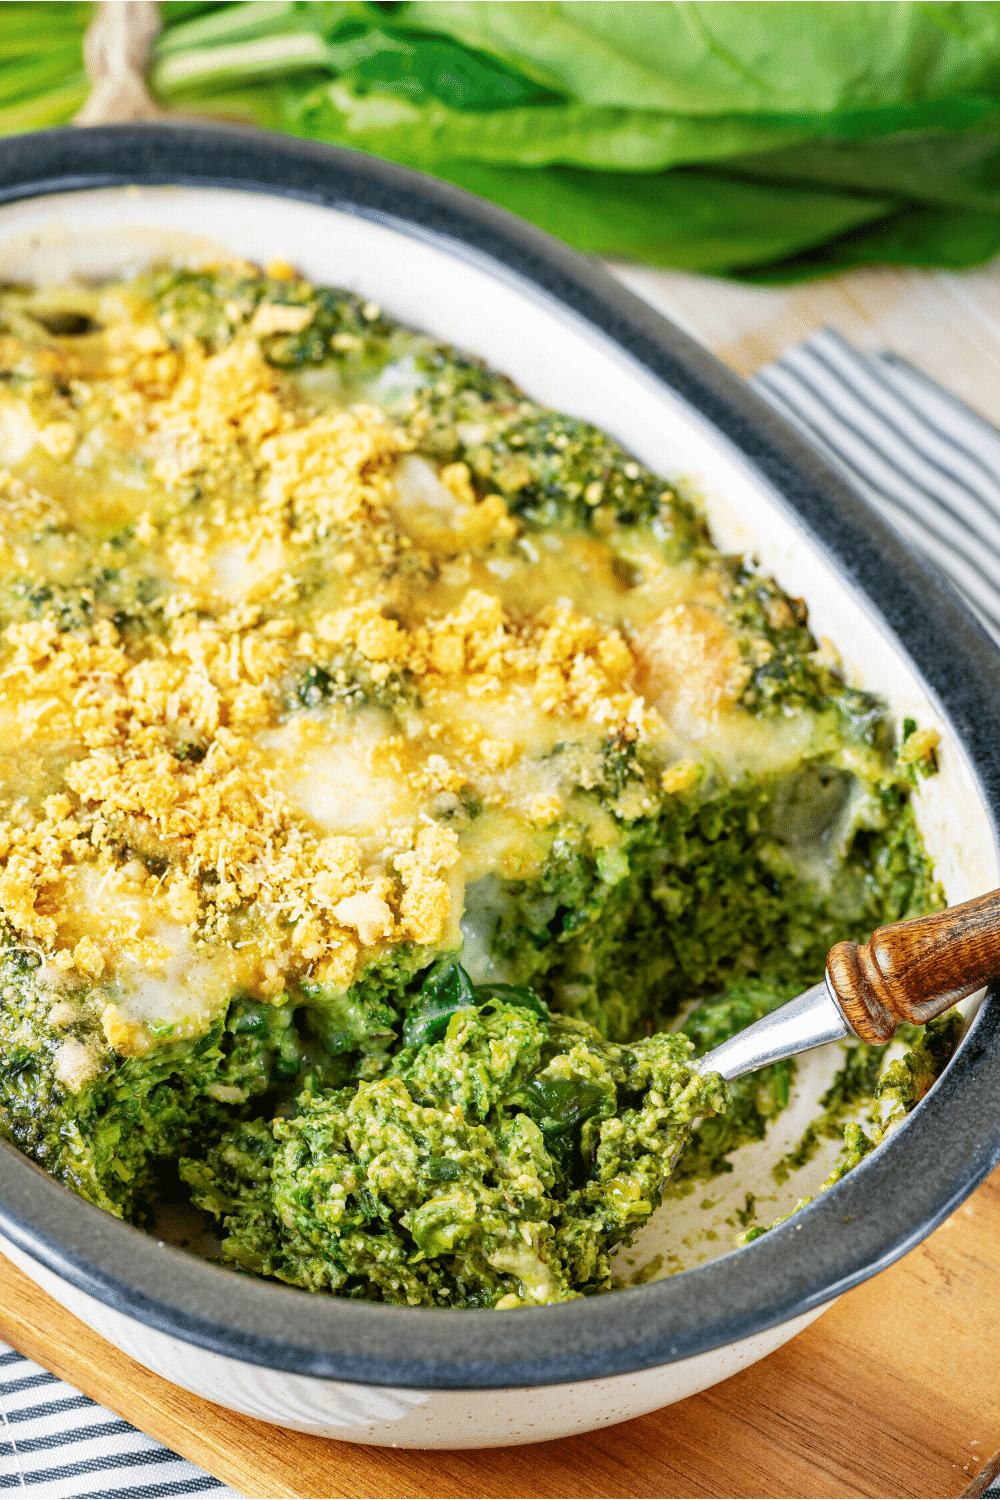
(558, 359)
(392, 1416)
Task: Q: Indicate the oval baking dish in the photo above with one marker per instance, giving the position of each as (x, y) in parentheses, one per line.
(105, 201)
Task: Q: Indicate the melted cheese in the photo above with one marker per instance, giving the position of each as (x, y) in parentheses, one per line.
(241, 570)
(327, 767)
(180, 998)
(486, 901)
(18, 431)
(174, 824)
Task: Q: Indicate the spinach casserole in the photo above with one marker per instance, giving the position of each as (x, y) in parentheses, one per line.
(387, 765)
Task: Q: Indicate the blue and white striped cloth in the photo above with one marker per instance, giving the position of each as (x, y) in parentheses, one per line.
(921, 458)
(56, 1442)
(931, 468)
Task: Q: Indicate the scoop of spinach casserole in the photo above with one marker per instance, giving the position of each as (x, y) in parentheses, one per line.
(330, 660)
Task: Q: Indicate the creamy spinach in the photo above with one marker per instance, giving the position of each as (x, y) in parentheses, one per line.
(328, 659)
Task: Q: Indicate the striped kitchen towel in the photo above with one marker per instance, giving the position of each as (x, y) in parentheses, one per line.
(56, 1442)
(920, 457)
(931, 468)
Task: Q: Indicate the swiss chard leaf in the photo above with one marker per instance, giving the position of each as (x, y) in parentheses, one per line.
(702, 58)
(953, 168)
(682, 218)
(418, 67)
(914, 236)
(425, 129)
(830, 136)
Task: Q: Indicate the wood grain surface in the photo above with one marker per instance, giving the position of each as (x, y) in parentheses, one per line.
(946, 323)
(893, 1392)
(913, 971)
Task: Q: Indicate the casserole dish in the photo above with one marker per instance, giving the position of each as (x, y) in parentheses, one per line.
(108, 201)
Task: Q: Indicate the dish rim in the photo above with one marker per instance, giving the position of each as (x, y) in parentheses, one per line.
(877, 1212)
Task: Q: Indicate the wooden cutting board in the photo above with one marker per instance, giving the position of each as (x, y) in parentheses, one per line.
(893, 1392)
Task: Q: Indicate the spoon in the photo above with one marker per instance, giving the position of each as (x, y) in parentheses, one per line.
(907, 971)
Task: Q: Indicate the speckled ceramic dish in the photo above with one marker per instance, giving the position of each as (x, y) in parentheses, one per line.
(105, 201)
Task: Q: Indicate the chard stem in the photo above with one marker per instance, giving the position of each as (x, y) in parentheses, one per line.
(229, 67)
(238, 23)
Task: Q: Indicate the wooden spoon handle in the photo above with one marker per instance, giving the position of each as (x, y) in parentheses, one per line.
(913, 971)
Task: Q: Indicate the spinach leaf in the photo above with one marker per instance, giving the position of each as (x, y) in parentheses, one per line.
(17, 1060)
(449, 989)
(444, 992)
(250, 1018)
(958, 168)
(559, 1106)
(440, 1169)
(42, 79)
(513, 994)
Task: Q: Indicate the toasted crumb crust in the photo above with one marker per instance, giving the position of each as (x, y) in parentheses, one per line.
(260, 498)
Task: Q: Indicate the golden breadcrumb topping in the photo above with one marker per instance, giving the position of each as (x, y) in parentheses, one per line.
(265, 782)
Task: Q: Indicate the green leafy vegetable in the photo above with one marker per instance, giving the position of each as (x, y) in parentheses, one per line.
(443, 993)
(685, 218)
(432, 128)
(770, 142)
(764, 141)
(457, 1178)
(701, 58)
(42, 81)
(513, 994)
(559, 1105)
